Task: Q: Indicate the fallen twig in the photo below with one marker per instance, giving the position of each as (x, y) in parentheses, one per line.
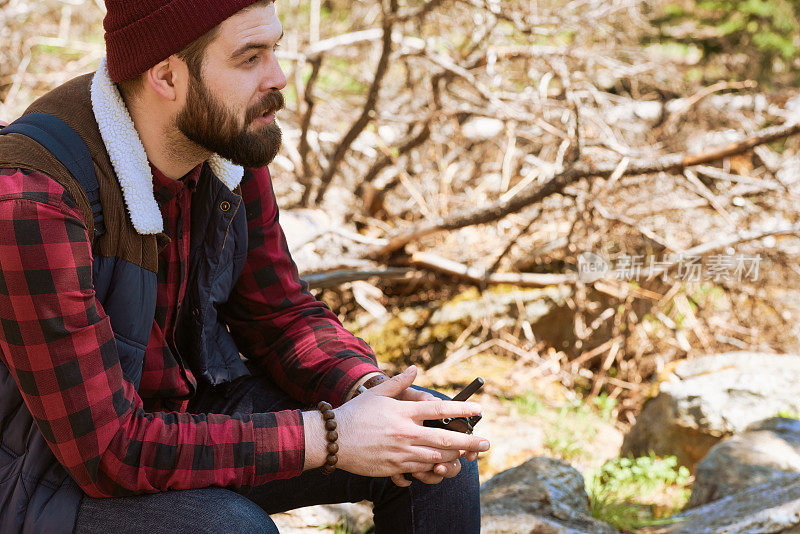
(336, 278)
(477, 275)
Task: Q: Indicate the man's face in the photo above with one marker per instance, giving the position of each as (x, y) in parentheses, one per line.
(230, 110)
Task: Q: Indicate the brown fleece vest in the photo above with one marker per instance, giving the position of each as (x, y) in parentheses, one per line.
(71, 103)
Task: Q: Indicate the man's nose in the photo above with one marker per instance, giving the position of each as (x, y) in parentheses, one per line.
(274, 78)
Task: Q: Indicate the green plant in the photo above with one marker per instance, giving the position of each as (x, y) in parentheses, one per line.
(563, 444)
(344, 527)
(575, 426)
(766, 31)
(605, 405)
(619, 490)
(528, 404)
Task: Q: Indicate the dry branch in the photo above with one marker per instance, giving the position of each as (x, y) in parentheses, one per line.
(675, 116)
(345, 39)
(511, 243)
(336, 278)
(433, 262)
(369, 106)
(405, 146)
(302, 148)
(498, 210)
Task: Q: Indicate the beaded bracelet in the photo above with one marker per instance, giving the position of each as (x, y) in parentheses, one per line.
(331, 435)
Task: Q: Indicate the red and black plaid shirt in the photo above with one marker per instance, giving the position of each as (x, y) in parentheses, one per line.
(57, 342)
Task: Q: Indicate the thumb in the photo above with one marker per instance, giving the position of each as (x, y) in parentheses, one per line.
(396, 384)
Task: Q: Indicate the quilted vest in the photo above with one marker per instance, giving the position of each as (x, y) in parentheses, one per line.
(36, 493)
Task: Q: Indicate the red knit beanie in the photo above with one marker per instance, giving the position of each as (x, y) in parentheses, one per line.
(140, 33)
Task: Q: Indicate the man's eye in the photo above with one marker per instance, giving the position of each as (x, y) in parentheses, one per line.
(251, 60)
(277, 46)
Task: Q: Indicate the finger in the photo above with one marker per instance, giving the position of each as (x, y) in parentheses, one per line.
(471, 456)
(397, 384)
(440, 409)
(448, 469)
(416, 467)
(415, 395)
(428, 477)
(448, 440)
(432, 455)
(400, 480)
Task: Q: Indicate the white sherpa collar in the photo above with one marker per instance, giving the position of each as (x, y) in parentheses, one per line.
(128, 157)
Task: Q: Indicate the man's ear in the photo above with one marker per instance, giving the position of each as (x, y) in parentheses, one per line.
(166, 78)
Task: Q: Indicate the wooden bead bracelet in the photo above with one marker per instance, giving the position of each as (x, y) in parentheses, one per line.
(331, 435)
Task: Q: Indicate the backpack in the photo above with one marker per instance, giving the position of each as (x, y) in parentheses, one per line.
(66, 145)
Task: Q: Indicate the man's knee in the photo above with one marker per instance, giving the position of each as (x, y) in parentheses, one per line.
(208, 510)
(235, 513)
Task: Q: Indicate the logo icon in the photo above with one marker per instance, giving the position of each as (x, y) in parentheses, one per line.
(592, 267)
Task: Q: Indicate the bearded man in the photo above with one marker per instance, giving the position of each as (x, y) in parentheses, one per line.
(159, 356)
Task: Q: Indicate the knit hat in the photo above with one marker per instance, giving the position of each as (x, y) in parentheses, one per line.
(141, 33)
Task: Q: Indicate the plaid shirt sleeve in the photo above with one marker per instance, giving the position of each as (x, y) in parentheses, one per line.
(278, 323)
(57, 343)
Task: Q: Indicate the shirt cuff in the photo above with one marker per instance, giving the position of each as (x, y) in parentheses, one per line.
(279, 445)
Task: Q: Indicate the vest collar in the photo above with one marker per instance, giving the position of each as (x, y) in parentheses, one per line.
(128, 157)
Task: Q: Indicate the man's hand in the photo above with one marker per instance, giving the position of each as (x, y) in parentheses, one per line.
(382, 436)
(442, 470)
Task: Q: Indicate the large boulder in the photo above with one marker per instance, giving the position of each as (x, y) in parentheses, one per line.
(770, 508)
(768, 450)
(706, 399)
(541, 496)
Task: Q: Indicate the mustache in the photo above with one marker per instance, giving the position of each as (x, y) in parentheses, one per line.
(271, 103)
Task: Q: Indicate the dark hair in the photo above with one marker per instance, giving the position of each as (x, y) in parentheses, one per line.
(193, 55)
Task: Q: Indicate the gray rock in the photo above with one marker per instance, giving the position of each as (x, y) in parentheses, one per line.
(541, 496)
(768, 450)
(769, 508)
(327, 518)
(709, 398)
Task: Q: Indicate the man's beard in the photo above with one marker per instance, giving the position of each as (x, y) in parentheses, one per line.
(205, 121)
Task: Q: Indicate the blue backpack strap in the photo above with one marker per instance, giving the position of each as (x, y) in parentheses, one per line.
(66, 146)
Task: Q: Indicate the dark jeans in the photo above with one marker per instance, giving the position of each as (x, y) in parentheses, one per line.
(451, 506)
